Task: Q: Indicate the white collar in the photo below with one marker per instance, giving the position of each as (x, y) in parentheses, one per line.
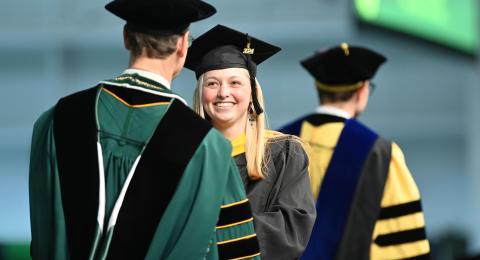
(329, 110)
(150, 75)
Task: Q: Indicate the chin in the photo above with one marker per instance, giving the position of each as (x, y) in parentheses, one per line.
(221, 120)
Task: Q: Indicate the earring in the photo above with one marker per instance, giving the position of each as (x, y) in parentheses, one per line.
(251, 116)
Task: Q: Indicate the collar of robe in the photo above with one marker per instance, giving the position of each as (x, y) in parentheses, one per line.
(239, 143)
(142, 83)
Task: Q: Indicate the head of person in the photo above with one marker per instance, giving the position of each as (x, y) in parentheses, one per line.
(228, 93)
(159, 29)
(342, 75)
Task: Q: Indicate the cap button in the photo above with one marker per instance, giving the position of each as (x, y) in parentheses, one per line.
(345, 49)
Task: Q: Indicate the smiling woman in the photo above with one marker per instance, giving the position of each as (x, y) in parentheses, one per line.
(226, 96)
(273, 166)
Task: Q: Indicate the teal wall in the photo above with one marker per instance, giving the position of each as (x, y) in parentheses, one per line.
(426, 97)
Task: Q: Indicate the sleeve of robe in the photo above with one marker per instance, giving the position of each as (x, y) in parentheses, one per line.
(46, 213)
(232, 234)
(181, 219)
(284, 227)
(400, 231)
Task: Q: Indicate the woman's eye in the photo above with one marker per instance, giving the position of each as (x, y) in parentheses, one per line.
(211, 84)
(236, 83)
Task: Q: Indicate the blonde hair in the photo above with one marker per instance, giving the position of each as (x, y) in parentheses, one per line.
(256, 141)
(256, 152)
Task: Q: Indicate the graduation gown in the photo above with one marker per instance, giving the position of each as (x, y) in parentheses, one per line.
(116, 172)
(282, 203)
(384, 218)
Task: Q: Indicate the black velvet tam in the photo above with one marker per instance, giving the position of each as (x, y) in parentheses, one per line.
(343, 65)
(160, 17)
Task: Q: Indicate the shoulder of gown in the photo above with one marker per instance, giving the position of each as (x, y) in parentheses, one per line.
(285, 225)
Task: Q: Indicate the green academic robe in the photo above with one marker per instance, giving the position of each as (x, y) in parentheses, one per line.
(126, 170)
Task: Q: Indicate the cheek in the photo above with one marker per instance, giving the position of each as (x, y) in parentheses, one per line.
(243, 98)
(208, 95)
(244, 95)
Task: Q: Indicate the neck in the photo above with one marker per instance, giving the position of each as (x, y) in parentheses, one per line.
(231, 131)
(162, 67)
(349, 107)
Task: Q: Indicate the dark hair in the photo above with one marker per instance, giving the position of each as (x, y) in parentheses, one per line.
(327, 97)
(154, 46)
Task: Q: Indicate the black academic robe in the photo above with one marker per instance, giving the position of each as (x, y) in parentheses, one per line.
(282, 203)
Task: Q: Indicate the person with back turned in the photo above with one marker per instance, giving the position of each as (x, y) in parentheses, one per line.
(126, 170)
(368, 205)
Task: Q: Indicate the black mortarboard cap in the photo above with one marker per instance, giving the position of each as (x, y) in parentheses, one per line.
(160, 17)
(222, 47)
(343, 65)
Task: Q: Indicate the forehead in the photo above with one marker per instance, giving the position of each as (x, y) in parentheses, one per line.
(227, 73)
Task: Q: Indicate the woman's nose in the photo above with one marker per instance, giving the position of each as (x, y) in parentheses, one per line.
(223, 91)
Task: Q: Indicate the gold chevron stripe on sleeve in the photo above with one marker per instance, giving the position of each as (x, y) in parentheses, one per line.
(233, 204)
(402, 223)
(236, 239)
(401, 251)
(245, 257)
(235, 224)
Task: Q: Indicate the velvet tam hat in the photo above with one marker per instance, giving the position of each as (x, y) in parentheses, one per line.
(160, 17)
(343, 65)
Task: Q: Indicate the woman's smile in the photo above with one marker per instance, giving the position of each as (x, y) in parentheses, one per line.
(224, 104)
